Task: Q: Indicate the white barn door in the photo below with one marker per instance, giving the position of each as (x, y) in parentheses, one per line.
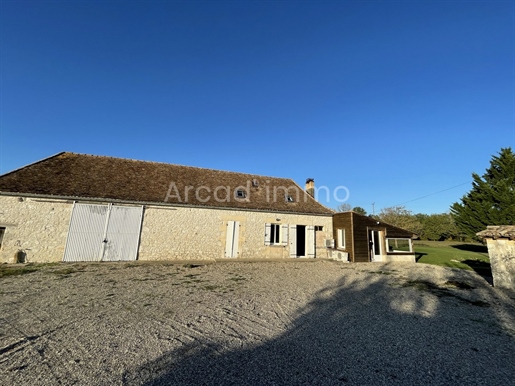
(86, 232)
(103, 233)
(122, 235)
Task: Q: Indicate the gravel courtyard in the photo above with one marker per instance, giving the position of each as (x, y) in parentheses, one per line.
(254, 323)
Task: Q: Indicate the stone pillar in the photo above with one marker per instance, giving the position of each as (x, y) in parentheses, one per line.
(501, 250)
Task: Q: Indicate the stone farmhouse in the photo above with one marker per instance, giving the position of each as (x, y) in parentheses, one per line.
(76, 207)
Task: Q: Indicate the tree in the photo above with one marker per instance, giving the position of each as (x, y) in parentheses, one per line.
(348, 207)
(437, 226)
(400, 217)
(360, 210)
(491, 201)
(343, 207)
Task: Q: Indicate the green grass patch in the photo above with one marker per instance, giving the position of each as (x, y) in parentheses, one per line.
(237, 279)
(64, 271)
(16, 270)
(454, 254)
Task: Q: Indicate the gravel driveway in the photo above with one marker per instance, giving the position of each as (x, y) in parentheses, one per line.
(254, 323)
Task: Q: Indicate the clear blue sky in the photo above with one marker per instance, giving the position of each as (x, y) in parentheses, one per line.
(395, 100)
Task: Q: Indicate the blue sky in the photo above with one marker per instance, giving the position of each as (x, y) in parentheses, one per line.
(394, 100)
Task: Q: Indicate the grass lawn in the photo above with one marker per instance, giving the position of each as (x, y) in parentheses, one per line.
(471, 256)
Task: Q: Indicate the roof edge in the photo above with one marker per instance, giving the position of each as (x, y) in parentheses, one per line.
(33, 163)
(152, 203)
(380, 222)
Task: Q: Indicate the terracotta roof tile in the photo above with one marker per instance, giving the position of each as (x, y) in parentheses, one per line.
(86, 176)
(498, 232)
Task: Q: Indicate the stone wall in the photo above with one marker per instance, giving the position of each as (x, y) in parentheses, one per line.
(39, 228)
(199, 233)
(36, 227)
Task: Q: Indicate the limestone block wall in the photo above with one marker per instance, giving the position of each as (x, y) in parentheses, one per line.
(502, 260)
(178, 233)
(37, 227)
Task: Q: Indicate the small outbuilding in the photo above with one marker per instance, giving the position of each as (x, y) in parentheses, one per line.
(360, 238)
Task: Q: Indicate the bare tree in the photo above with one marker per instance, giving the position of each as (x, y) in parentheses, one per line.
(343, 207)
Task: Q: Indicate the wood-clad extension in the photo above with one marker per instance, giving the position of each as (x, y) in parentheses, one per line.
(357, 232)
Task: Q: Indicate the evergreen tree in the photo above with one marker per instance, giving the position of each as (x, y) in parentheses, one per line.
(492, 198)
(360, 210)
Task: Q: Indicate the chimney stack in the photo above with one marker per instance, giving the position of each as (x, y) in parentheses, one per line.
(310, 187)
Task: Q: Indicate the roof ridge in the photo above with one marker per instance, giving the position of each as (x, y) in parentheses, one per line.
(167, 163)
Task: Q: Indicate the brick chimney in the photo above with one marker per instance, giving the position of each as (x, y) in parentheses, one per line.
(310, 187)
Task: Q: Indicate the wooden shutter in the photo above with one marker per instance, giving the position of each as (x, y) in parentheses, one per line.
(268, 231)
(284, 234)
(232, 238)
(310, 238)
(293, 240)
(236, 239)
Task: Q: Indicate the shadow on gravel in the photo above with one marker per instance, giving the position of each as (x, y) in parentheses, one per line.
(478, 248)
(381, 332)
(482, 268)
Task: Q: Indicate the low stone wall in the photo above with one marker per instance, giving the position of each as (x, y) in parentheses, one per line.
(400, 258)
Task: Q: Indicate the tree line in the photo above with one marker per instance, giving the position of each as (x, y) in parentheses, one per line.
(491, 201)
(437, 227)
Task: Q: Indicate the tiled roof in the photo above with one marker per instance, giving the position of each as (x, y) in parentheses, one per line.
(74, 175)
(498, 232)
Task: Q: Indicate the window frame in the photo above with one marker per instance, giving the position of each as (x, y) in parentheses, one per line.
(275, 234)
(2, 235)
(393, 251)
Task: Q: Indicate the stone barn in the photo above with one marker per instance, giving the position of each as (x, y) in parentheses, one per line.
(77, 207)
